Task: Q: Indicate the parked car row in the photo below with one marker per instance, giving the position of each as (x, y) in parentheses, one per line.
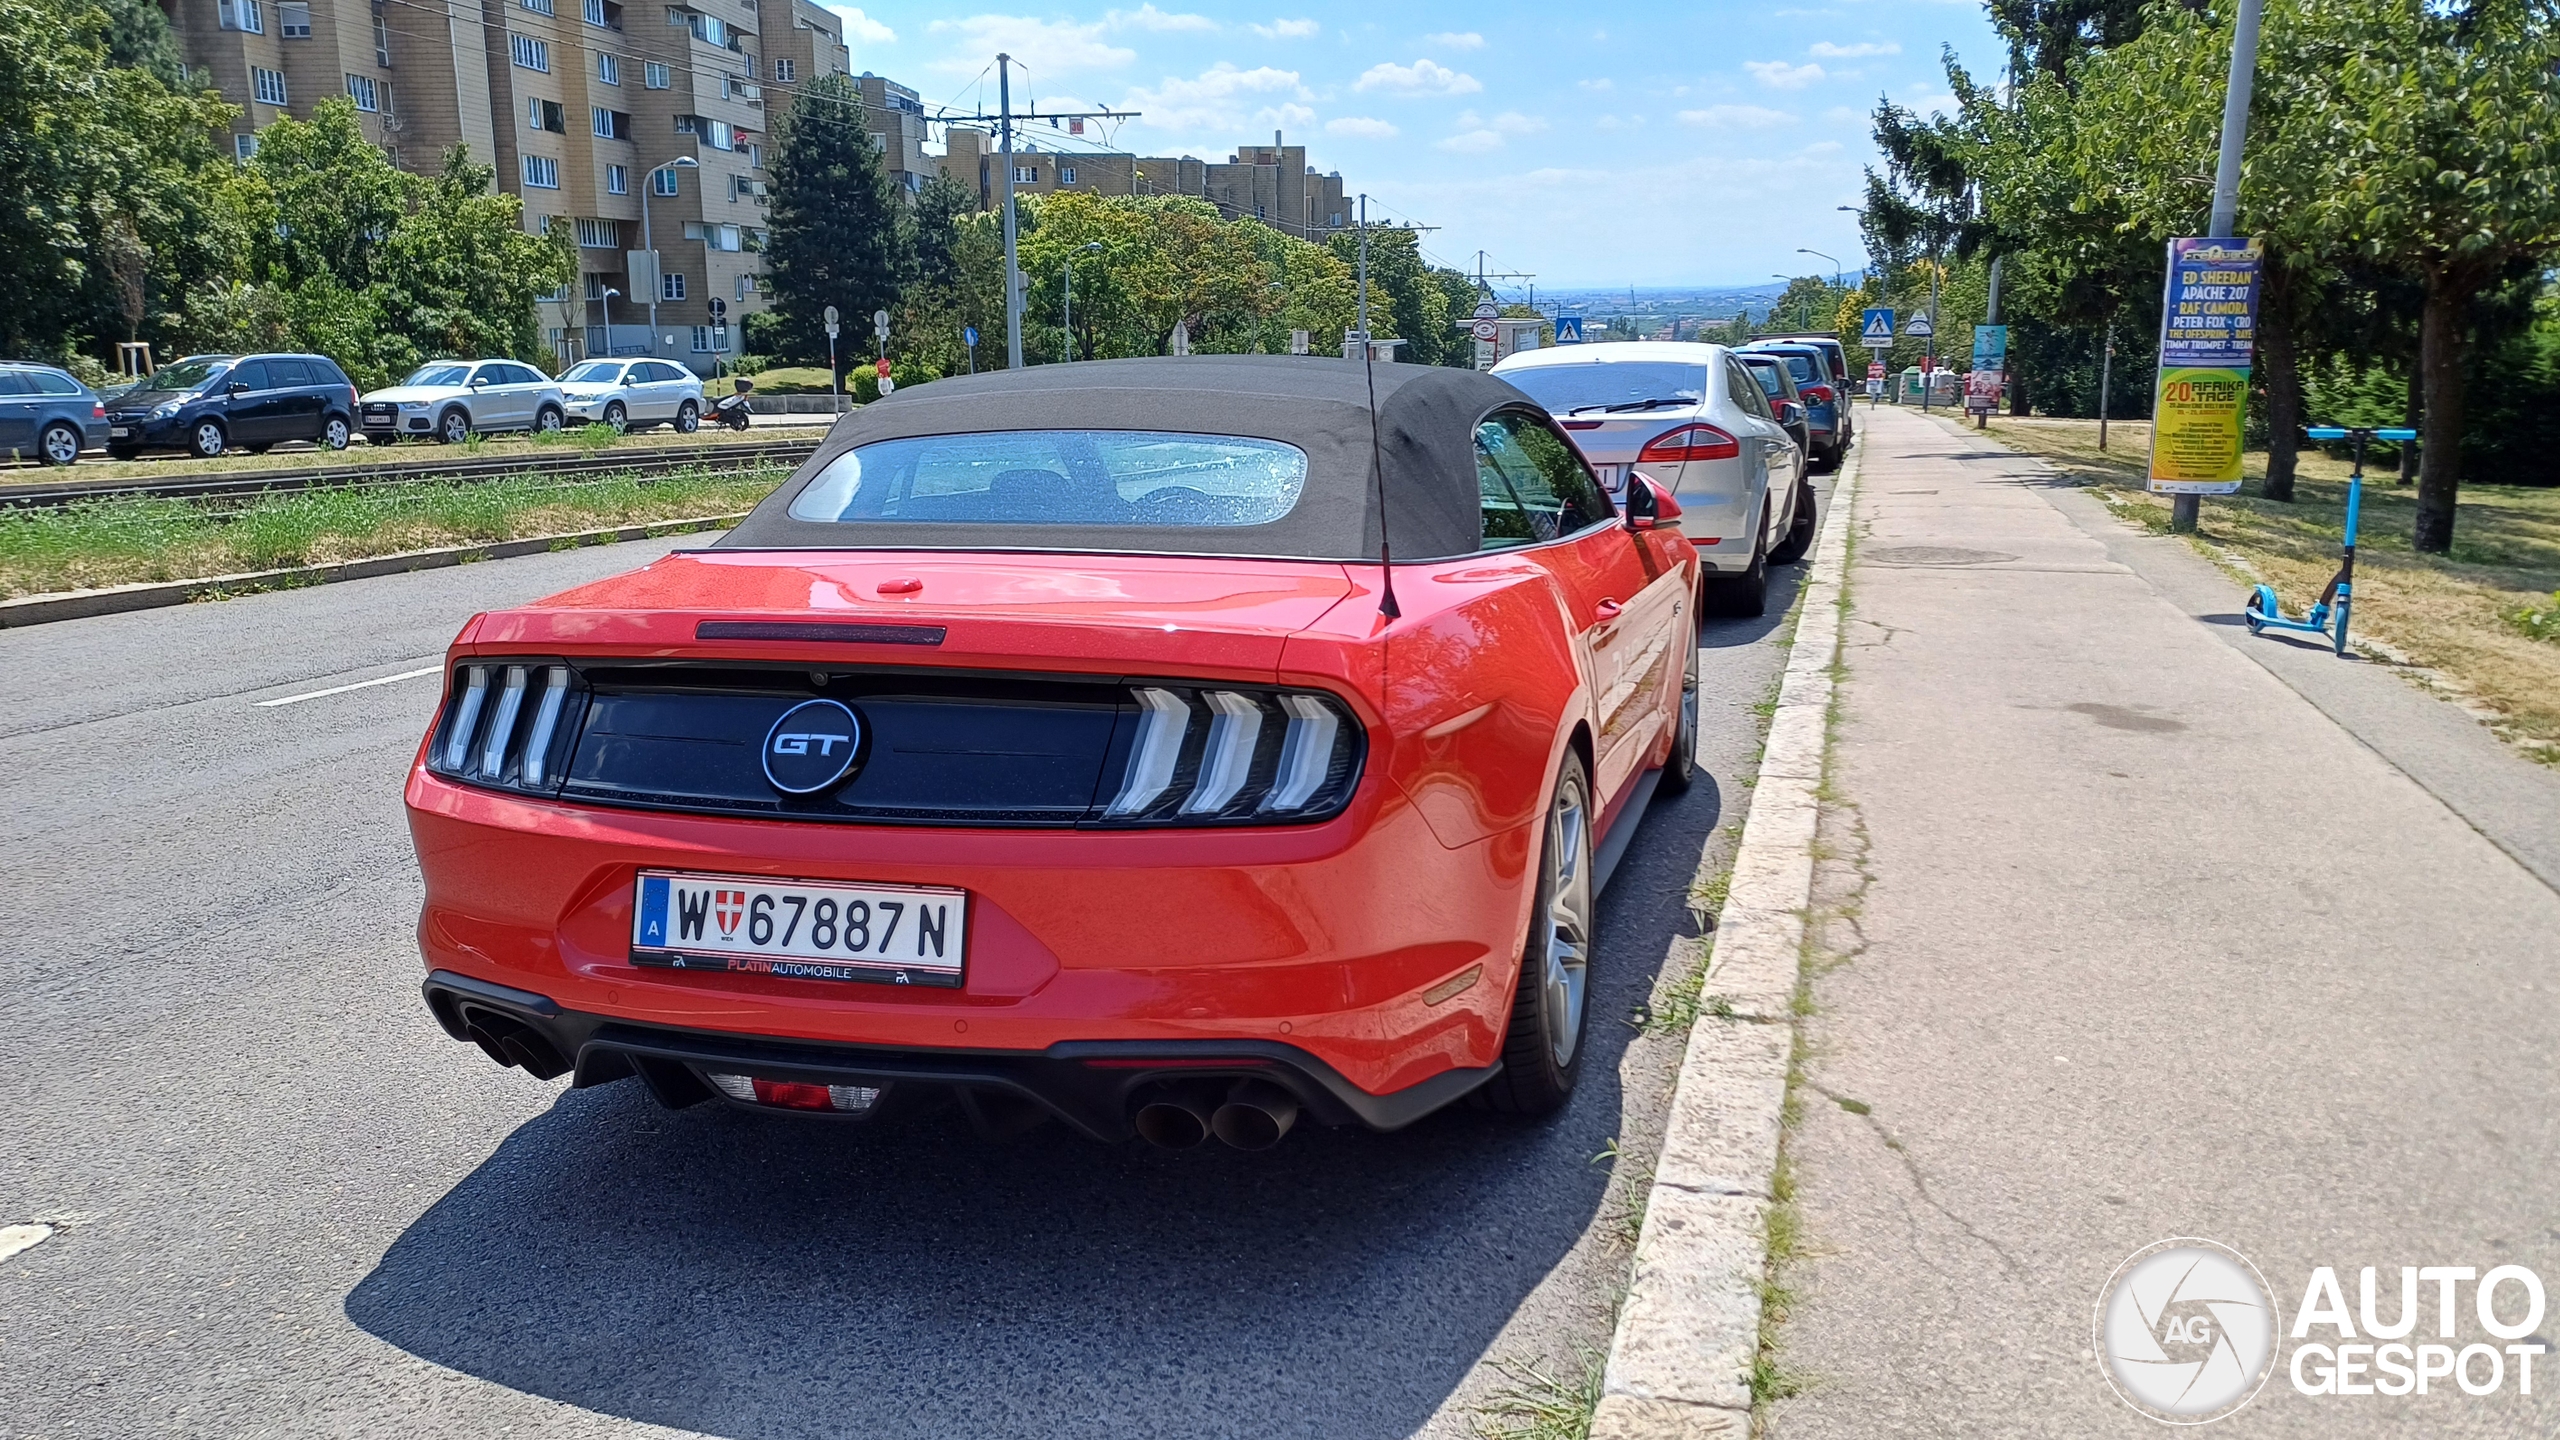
(209, 405)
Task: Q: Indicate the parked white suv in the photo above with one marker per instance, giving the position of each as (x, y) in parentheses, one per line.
(633, 394)
(451, 399)
(1691, 418)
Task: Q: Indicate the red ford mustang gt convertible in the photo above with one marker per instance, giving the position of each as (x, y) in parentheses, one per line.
(1170, 747)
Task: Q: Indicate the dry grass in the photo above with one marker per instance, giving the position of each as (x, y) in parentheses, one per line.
(2466, 616)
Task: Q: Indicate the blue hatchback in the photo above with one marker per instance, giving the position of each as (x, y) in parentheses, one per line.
(1811, 370)
(47, 414)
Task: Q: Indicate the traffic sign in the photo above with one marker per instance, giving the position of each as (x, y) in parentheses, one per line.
(1876, 331)
(880, 323)
(969, 336)
(1486, 330)
(719, 309)
(831, 315)
(1875, 369)
(1918, 327)
(1568, 329)
(1487, 310)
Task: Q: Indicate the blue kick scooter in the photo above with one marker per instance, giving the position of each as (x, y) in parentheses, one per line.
(2262, 612)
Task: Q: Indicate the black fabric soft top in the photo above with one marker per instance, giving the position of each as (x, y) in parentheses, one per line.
(1426, 417)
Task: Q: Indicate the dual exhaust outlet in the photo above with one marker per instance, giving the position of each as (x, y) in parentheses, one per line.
(1252, 1115)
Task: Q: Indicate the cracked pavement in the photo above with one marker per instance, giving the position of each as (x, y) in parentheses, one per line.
(2120, 937)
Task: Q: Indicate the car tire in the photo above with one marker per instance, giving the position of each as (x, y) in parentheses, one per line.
(1543, 1049)
(688, 418)
(454, 426)
(205, 439)
(547, 420)
(383, 439)
(1680, 767)
(334, 434)
(617, 417)
(124, 452)
(1799, 534)
(58, 445)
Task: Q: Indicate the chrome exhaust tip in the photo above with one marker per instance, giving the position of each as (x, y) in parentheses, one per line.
(1255, 1116)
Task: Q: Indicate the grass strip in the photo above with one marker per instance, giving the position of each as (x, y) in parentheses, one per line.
(139, 540)
(2485, 617)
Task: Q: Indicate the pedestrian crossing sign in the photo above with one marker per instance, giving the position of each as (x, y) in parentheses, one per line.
(1877, 329)
(1568, 329)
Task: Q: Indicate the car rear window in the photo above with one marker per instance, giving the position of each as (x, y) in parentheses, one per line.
(1134, 478)
(1765, 371)
(1800, 366)
(286, 373)
(1600, 384)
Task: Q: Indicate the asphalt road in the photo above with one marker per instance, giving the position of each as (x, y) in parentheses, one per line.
(285, 1203)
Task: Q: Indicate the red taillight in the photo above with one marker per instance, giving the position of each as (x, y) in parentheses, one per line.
(793, 1096)
(97, 410)
(1817, 394)
(1689, 442)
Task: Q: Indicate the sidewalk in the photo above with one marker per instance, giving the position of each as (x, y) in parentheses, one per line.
(2142, 945)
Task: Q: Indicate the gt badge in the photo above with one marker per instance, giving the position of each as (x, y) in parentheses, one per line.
(811, 748)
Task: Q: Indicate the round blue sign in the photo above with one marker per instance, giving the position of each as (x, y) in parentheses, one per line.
(811, 748)
(969, 334)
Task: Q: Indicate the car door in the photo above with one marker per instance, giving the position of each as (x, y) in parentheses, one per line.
(491, 407)
(1621, 595)
(663, 391)
(298, 399)
(17, 413)
(1779, 462)
(251, 410)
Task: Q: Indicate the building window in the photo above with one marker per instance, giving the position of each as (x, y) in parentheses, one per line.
(595, 282)
(617, 180)
(548, 115)
(381, 42)
(542, 226)
(242, 15)
(599, 235)
(267, 85)
(654, 74)
(746, 287)
(1066, 174)
(529, 53)
(701, 339)
(662, 181)
(541, 172)
(715, 237)
(538, 7)
(671, 285)
(1026, 175)
(784, 70)
(363, 90)
(685, 125)
(755, 157)
(596, 14)
(609, 68)
(611, 124)
(717, 134)
(293, 20)
(243, 147)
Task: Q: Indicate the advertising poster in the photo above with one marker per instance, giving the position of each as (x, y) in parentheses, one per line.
(1990, 368)
(2208, 328)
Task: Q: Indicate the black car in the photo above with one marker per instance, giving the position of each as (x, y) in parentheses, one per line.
(1779, 384)
(48, 414)
(208, 404)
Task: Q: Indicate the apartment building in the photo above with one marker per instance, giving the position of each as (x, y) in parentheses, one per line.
(1270, 183)
(641, 126)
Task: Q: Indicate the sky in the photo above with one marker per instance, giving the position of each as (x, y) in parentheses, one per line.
(1593, 145)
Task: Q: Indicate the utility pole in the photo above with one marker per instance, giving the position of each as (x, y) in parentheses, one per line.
(1362, 334)
(2106, 373)
(1004, 118)
(2184, 509)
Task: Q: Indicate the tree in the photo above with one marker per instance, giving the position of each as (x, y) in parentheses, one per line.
(2448, 165)
(459, 275)
(838, 233)
(322, 198)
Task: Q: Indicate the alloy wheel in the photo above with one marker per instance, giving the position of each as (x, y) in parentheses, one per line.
(616, 416)
(208, 438)
(456, 427)
(335, 435)
(1564, 964)
(61, 445)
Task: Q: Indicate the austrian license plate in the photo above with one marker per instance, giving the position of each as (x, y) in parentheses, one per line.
(800, 929)
(1613, 476)
(117, 432)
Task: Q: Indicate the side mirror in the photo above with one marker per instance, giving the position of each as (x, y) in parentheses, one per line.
(1649, 506)
(478, 380)
(236, 388)
(1790, 413)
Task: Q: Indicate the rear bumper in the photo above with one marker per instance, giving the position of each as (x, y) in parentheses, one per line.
(1095, 1086)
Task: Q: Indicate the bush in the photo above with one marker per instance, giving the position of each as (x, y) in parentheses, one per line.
(866, 380)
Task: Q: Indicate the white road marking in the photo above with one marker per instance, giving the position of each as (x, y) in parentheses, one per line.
(359, 685)
(17, 1238)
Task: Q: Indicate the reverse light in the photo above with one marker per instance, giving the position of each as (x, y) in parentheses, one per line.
(1818, 394)
(1689, 442)
(1217, 756)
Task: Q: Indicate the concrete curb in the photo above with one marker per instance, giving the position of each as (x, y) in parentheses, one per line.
(1680, 1364)
(82, 604)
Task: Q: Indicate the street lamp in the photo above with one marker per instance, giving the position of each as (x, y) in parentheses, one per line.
(1091, 247)
(1838, 276)
(648, 183)
(607, 299)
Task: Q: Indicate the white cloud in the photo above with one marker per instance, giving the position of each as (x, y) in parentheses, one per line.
(1937, 102)
(1779, 75)
(1603, 83)
(861, 28)
(1859, 51)
(1056, 47)
(1455, 40)
(1473, 142)
(1618, 122)
(1422, 77)
(1148, 17)
(1477, 135)
(1748, 117)
(1361, 127)
(1287, 29)
(1220, 99)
